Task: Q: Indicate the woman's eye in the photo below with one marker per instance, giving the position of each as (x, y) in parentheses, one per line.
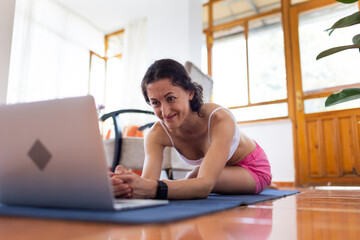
(155, 104)
(171, 99)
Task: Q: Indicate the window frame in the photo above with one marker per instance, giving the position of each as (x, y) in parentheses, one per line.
(244, 23)
(293, 99)
(105, 58)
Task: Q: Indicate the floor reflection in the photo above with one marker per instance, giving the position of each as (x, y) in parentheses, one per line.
(241, 223)
(328, 214)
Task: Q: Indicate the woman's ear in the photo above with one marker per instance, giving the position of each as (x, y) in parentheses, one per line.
(191, 95)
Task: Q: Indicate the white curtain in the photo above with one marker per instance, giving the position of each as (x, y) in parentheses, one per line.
(135, 64)
(128, 93)
(50, 52)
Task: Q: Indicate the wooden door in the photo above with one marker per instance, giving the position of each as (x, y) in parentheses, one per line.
(327, 142)
(332, 147)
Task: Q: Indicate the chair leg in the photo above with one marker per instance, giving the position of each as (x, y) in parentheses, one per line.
(117, 153)
(169, 173)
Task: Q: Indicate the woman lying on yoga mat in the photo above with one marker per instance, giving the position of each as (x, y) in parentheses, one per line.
(203, 134)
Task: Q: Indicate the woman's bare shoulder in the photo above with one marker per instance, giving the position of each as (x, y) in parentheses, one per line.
(157, 135)
(208, 108)
(221, 114)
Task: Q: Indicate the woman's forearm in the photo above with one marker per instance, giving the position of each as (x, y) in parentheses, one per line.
(199, 187)
(189, 188)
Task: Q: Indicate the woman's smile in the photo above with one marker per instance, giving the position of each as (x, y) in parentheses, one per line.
(169, 118)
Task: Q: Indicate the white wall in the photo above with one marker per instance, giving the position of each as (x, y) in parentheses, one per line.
(7, 9)
(276, 139)
(195, 37)
(175, 30)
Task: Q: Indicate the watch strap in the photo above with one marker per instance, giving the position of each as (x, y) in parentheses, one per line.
(162, 190)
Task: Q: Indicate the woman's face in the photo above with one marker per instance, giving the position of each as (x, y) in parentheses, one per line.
(170, 103)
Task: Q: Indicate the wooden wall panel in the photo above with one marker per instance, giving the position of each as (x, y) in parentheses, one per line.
(347, 145)
(330, 144)
(314, 149)
(333, 147)
(357, 142)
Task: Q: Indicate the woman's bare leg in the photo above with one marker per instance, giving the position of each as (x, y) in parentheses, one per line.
(232, 180)
(235, 180)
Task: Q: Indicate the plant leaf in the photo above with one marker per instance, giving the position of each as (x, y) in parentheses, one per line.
(347, 1)
(345, 22)
(356, 39)
(335, 50)
(344, 95)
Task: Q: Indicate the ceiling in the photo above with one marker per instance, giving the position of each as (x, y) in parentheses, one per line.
(108, 15)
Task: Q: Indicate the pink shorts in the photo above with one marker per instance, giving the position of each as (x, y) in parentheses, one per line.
(258, 166)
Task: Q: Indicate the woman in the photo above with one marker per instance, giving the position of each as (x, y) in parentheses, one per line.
(203, 134)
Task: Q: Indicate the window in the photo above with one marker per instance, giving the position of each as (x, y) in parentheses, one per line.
(230, 71)
(298, 1)
(325, 73)
(249, 73)
(106, 72)
(266, 60)
(105, 75)
(313, 39)
(261, 112)
(317, 105)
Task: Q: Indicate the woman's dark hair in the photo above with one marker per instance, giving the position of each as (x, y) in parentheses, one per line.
(176, 72)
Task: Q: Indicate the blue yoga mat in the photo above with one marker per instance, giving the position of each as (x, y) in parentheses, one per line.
(175, 210)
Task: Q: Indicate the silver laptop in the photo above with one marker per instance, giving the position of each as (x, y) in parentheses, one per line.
(52, 155)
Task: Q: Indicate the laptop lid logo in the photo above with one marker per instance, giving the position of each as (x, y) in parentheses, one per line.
(39, 155)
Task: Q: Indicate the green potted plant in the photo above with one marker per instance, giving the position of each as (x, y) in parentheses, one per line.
(346, 94)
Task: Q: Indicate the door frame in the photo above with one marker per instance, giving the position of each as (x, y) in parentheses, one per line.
(296, 94)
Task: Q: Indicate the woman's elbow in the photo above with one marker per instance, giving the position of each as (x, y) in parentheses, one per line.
(206, 189)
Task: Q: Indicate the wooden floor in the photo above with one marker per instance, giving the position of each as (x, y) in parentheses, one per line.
(311, 214)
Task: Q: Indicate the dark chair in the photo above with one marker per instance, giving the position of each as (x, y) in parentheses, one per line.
(118, 131)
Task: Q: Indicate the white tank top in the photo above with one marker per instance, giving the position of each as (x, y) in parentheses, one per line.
(234, 143)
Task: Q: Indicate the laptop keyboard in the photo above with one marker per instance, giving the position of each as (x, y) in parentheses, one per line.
(137, 203)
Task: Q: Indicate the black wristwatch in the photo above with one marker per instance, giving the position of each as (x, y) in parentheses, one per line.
(162, 190)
